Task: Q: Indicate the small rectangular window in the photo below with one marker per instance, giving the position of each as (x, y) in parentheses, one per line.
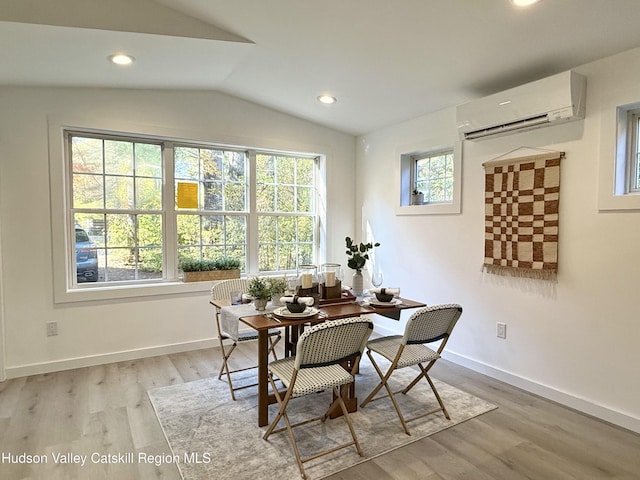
(633, 151)
(430, 181)
(433, 176)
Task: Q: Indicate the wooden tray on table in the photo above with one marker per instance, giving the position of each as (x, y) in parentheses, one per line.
(345, 297)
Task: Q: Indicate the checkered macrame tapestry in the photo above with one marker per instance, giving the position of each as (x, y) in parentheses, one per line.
(522, 196)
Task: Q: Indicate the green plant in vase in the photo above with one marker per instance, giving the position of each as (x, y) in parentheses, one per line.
(258, 288)
(277, 285)
(417, 197)
(358, 254)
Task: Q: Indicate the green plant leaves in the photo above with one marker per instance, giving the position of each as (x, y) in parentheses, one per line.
(358, 253)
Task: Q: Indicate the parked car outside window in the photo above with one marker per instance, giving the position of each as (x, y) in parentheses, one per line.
(86, 257)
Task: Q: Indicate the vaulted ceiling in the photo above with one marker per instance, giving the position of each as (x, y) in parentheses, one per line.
(385, 61)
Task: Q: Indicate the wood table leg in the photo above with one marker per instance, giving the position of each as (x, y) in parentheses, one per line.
(350, 400)
(348, 392)
(263, 379)
(287, 341)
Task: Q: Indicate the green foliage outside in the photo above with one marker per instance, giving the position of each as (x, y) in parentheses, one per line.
(434, 177)
(285, 203)
(111, 177)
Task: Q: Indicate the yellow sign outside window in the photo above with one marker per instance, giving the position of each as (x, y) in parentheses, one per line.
(187, 195)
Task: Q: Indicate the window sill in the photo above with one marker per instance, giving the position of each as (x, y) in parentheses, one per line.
(429, 209)
(612, 203)
(116, 292)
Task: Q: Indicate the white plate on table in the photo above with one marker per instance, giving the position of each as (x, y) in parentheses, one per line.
(285, 313)
(376, 303)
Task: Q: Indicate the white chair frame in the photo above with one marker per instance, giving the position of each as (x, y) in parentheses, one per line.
(222, 291)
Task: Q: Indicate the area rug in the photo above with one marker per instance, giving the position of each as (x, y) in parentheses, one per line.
(214, 437)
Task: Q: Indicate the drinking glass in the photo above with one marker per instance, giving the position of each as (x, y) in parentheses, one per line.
(236, 298)
(377, 278)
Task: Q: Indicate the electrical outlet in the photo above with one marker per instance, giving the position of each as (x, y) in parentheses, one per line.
(52, 329)
(501, 330)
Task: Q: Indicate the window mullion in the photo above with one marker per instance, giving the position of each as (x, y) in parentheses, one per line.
(169, 215)
(635, 169)
(252, 227)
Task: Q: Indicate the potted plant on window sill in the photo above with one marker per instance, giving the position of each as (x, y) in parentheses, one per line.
(417, 197)
(196, 270)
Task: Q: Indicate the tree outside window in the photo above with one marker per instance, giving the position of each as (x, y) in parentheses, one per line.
(117, 201)
(135, 226)
(434, 176)
(285, 193)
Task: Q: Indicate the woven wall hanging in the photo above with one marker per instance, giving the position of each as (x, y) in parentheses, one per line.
(522, 196)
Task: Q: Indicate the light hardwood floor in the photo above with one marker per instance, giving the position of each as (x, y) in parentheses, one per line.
(106, 410)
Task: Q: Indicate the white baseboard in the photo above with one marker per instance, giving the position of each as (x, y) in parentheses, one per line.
(580, 404)
(92, 360)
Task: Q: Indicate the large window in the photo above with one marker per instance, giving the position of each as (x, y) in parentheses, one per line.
(139, 205)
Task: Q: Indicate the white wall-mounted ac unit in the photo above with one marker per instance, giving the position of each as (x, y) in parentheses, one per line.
(559, 98)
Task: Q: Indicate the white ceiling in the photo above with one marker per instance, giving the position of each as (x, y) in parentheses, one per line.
(386, 61)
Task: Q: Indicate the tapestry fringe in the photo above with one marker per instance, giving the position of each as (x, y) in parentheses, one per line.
(520, 272)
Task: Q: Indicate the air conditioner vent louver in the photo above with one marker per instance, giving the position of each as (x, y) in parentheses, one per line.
(560, 98)
(507, 127)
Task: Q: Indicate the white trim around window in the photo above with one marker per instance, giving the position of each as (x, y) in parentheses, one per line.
(404, 181)
(63, 291)
(613, 191)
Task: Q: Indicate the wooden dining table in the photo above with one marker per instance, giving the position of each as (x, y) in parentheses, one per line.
(263, 322)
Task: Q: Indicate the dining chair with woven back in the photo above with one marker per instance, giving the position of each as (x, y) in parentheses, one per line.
(425, 326)
(327, 357)
(223, 291)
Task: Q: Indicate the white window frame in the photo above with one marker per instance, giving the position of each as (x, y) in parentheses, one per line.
(246, 214)
(414, 172)
(615, 162)
(406, 181)
(276, 213)
(106, 211)
(633, 151)
(63, 240)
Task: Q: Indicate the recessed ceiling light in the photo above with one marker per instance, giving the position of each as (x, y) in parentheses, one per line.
(121, 59)
(523, 3)
(327, 99)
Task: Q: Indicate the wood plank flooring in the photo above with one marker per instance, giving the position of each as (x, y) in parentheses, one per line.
(105, 410)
